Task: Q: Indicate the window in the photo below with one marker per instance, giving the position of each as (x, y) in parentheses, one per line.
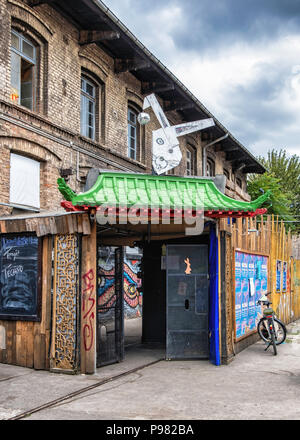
(238, 182)
(23, 63)
(133, 134)
(88, 109)
(210, 167)
(226, 173)
(24, 181)
(190, 161)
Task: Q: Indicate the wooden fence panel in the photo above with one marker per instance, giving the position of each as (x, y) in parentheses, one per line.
(268, 236)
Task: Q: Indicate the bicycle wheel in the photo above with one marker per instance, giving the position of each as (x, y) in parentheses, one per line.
(280, 331)
(262, 330)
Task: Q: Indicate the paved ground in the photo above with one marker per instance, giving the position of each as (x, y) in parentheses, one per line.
(256, 385)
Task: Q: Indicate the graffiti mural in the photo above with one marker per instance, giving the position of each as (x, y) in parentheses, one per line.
(132, 284)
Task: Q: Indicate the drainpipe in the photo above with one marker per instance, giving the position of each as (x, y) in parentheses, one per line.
(204, 152)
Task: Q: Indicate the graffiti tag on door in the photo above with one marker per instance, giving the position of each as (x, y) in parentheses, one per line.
(88, 302)
(188, 269)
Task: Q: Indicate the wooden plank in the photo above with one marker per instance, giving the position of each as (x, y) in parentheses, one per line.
(79, 224)
(39, 351)
(88, 302)
(3, 226)
(70, 224)
(46, 284)
(20, 344)
(52, 348)
(29, 344)
(86, 226)
(10, 342)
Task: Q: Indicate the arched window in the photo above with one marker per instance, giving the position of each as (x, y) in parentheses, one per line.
(133, 134)
(210, 167)
(239, 182)
(23, 70)
(88, 108)
(191, 169)
(226, 173)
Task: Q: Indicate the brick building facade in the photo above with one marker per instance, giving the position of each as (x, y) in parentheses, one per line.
(65, 98)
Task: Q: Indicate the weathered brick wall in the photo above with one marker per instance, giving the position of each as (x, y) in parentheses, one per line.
(51, 133)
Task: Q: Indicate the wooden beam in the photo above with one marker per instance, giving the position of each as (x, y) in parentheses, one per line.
(250, 169)
(153, 87)
(178, 106)
(234, 155)
(33, 3)
(88, 37)
(130, 65)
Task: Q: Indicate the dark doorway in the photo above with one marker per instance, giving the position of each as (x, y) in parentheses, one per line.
(110, 306)
(187, 301)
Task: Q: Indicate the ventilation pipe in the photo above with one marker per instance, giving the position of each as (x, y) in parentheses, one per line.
(204, 156)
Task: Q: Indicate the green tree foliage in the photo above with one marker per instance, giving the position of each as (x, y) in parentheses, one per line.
(283, 179)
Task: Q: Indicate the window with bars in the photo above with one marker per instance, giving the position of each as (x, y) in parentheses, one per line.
(88, 108)
(132, 134)
(23, 64)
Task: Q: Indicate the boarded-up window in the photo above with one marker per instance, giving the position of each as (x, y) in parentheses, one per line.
(24, 181)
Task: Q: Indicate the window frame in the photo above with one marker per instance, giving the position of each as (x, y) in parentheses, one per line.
(210, 163)
(85, 100)
(191, 170)
(239, 182)
(33, 61)
(133, 125)
(226, 173)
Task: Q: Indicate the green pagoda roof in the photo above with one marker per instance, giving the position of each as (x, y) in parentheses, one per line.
(163, 192)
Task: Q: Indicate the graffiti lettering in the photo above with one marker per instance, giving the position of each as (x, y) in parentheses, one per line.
(88, 303)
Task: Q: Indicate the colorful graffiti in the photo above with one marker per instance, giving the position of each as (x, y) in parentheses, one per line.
(132, 284)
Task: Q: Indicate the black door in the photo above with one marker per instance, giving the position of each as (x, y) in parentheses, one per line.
(187, 302)
(110, 306)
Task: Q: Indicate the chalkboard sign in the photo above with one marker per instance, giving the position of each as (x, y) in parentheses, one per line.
(20, 277)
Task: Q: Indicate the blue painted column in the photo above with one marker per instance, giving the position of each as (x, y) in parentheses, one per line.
(214, 346)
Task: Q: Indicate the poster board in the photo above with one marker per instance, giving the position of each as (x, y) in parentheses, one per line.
(20, 277)
(251, 282)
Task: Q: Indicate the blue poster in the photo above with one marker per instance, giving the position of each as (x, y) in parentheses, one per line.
(251, 281)
(264, 274)
(284, 276)
(238, 293)
(245, 293)
(278, 275)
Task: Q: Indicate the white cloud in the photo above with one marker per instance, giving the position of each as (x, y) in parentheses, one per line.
(252, 87)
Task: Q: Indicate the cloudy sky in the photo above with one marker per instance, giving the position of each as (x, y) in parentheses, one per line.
(240, 58)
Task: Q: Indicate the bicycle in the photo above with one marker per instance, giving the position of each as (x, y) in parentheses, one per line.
(270, 328)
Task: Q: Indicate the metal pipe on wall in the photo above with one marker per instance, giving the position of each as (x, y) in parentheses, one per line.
(204, 156)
